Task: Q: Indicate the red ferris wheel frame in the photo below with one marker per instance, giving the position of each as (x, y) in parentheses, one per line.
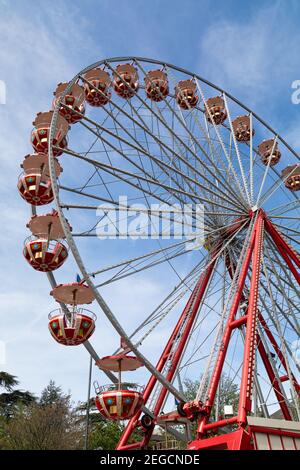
(244, 436)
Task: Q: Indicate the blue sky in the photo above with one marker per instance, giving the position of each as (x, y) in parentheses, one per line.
(250, 49)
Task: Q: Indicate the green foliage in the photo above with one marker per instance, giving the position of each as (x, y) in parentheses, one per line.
(53, 395)
(228, 393)
(190, 389)
(50, 427)
(48, 423)
(8, 381)
(105, 434)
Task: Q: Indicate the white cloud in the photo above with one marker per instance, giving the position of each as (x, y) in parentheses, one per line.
(250, 56)
(35, 55)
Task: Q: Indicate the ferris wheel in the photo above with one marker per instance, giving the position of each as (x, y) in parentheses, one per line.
(130, 150)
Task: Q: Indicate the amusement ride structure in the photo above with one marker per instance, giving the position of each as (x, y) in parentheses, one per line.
(164, 136)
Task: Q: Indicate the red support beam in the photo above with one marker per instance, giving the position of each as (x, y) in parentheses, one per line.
(185, 321)
(220, 424)
(194, 307)
(288, 261)
(239, 322)
(288, 254)
(215, 379)
(281, 242)
(251, 326)
(265, 356)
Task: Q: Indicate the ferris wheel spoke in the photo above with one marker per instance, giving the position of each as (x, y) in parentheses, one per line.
(162, 167)
(281, 291)
(270, 322)
(229, 160)
(164, 309)
(289, 229)
(285, 207)
(99, 198)
(95, 163)
(182, 121)
(210, 309)
(218, 154)
(152, 181)
(191, 359)
(115, 207)
(273, 189)
(275, 296)
(217, 164)
(285, 232)
(237, 150)
(292, 239)
(157, 161)
(283, 346)
(143, 151)
(280, 309)
(121, 208)
(126, 180)
(170, 154)
(278, 388)
(183, 285)
(117, 171)
(135, 270)
(137, 258)
(162, 260)
(147, 131)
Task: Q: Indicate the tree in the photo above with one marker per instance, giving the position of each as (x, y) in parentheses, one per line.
(42, 428)
(52, 394)
(8, 381)
(48, 424)
(11, 399)
(105, 434)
